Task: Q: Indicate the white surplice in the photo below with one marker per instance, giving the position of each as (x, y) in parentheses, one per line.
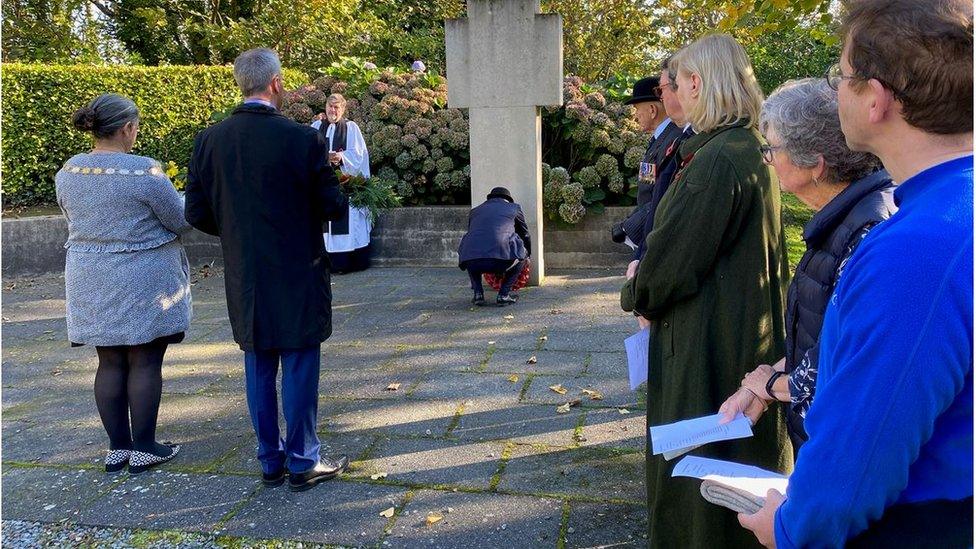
(355, 161)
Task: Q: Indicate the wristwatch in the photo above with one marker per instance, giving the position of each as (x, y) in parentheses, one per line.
(771, 381)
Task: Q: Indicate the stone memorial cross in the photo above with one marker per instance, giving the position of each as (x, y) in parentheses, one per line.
(504, 62)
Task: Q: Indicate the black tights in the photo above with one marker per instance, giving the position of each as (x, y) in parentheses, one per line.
(129, 383)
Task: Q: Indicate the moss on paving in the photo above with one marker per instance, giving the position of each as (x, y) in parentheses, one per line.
(488, 354)
(563, 526)
(497, 477)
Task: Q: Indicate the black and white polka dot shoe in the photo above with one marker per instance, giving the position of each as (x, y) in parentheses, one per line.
(141, 461)
(115, 460)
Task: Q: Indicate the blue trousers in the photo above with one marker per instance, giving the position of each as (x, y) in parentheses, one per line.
(299, 450)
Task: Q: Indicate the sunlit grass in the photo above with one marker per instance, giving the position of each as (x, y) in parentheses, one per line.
(795, 216)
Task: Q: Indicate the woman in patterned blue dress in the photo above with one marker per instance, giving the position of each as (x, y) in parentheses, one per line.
(127, 288)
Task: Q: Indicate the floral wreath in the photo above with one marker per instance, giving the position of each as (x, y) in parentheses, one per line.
(495, 281)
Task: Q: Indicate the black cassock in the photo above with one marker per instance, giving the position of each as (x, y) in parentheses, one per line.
(348, 257)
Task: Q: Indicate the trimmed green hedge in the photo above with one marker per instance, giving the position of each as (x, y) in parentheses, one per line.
(175, 103)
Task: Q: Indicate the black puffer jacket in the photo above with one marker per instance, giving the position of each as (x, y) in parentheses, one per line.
(831, 237)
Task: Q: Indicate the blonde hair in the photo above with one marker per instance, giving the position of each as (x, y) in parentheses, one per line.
(729, 90)
(337, 98)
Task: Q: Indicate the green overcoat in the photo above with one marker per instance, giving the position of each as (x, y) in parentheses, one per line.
(713, 281)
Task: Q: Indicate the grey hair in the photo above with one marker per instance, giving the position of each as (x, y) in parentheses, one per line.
(105, 115)
(666, 62)
(254, 70)
(804, 114)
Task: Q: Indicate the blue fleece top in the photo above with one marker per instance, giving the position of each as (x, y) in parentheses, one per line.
(892, 421)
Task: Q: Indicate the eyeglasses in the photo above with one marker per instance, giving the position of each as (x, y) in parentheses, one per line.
(834, 75)
(767, 152)
(673, 84)
(658, 91)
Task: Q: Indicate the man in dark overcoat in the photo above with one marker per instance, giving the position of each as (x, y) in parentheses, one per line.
(262, 183)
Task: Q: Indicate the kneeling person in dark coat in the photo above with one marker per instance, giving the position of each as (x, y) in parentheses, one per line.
(497, 242)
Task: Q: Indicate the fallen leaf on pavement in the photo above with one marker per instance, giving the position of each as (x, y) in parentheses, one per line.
(491, 343)
(564, 409)
(434, 518)
(388, 513)
(513, 378)
(393, 387)
(377, 476)
(623, 411)
(558, 389)
(508, 317)
(594, 395)
(532, 360)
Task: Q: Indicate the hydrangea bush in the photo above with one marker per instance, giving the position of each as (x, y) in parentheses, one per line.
(416, 145)
(592, 144)
(592, 147)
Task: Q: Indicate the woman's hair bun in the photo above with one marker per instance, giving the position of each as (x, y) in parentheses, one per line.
(84, 119)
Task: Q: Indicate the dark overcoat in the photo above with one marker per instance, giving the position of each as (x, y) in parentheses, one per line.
(262, 183)
(496, 230)
(713, 281)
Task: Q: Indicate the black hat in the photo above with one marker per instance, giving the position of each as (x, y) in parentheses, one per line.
(501, 192)
(644, 90)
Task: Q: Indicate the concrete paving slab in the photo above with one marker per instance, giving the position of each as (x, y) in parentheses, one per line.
(334, 512)
(477, 520)
(605, 525)
(453, 419)
(159, 499)
(47, 494)
(589, 472)
(434, 462)
(390, 417)
(487, 419)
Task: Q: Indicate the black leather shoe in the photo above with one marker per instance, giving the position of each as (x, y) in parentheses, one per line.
(478, 299)
(509, 299)
(325, 469)
(276, 478)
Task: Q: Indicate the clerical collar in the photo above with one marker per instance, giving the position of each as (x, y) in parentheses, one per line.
(661, 127)
(258, 101)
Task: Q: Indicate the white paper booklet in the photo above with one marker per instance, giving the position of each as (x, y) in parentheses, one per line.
(637, 366)
(677, 438)
(739, 487)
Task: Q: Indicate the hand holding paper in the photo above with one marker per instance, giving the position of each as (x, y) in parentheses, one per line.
(676, 438)
(637, 346)
(742, 488)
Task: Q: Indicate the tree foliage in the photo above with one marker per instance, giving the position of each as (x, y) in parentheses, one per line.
(678, 22)
(788, 53)
(601, 38)
(54, 31)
